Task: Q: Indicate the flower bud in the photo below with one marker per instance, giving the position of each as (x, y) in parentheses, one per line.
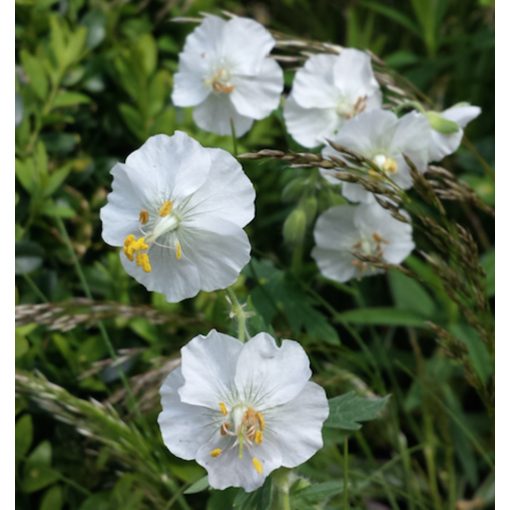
(294, 227)
(309, 206)
(440, 124)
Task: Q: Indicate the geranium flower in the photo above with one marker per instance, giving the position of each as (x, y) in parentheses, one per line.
(178, 210)
(382, 137)
(328, 91)
(446, 136)
(368, 230)
(226, 74)
(242, 410)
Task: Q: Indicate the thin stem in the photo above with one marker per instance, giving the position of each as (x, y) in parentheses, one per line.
(237, 310)
(234, 137)
(102, 329)
(35, 288)
(346, 474)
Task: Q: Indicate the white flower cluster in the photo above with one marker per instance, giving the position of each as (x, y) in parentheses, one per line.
(177, 211)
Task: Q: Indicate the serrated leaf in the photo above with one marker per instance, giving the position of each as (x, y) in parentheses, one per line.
(347, 411)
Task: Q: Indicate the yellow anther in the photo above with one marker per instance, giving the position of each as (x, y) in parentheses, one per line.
(142, 260)
(257, 465)
(223, 409)
(178, 250)
(216, 452)
(144, 216)
(390, 166)
(259, 437)
(166, 208)
(260, 419)
(222, 88)
(129, 249)
(140, 244)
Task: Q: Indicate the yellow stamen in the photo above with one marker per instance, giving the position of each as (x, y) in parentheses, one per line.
(166, 208)
(178, 250)
(128, 246)
(142, 260)
(390, 166)
(144, 216)
(216, 452)
(223, 409)
(257, 465)
(260, 419)
(259, 437)
(222, 87)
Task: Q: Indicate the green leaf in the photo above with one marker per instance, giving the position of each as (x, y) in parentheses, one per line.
(58, 209)
(382, 317)
(29, 257)
(393, 14)
(24, 435)
(317, 493)
(346, 411)
(409, 295)
(25, 173)
(52, 499)
(37, 471)
(147, 52)
(198, 486)
(65, 99)
(36, 74)
(258, 500)
(56, 179)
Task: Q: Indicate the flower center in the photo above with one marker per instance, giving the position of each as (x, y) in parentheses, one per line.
(348, 110)
(166, 221)
(247, 425)
(387, 164)
(369, 247)
(220, 81)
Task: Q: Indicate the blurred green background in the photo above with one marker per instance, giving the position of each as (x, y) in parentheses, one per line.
(93, 82)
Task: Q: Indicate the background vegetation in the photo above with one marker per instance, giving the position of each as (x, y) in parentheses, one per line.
(93, 82)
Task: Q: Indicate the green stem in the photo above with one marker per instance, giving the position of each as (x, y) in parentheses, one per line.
(234, 137)
(102, 329)
(346, 474)
(240, 316)
(37, 291)
(281, 496)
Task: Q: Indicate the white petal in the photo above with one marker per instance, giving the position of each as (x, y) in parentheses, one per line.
(217, 112)
(208, 367)
(335, 228)
(175, 166)
(353, 74)
(218, 249)
(246, 43)
(176, 279)
(333, 264)
(228, 470)
(310, 127)
(267, 375)
(412, 138)
(462, 114)
(297, 425)
(189, 88)
(227, 194)
(357, 193)
(313, 85)
(257, 95)
(184, 427)
(120, 216)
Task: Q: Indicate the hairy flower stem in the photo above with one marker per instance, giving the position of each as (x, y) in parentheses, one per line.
(102, 329)
(239, 314)
(281, 481)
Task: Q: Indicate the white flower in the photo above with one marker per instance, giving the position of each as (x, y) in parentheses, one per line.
(178, 209)
(364, 229)
(444, 144)
(327, 91)
(382, 137)
(242, 410)
(226, 74)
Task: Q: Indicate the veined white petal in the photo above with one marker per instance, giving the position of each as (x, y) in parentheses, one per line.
(353, 75)
(228, 470)
(256, 96)
(297, 425)
(340, 221)
(176, 279)
(184, 427)
(310, 127)
(462, 114)
(189, 89)
(217, 112)
(313, 85)
(267, 375)
(208, 368)
(226, 195)
(218, 249)
(170, 166)
(334, 265)
(246, 43)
